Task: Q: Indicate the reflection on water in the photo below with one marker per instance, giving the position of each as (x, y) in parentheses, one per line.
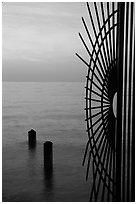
(32, 146)
(48, 179)
(47, 175)
(32, 153)
(55, 110)
(27, 180)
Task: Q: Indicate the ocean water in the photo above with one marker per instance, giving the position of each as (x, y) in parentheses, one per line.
(56, 112)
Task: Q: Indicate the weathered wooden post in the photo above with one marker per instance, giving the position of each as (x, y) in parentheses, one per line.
(48, 155)
(32, 137)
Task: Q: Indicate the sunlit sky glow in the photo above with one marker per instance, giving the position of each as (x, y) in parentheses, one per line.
(40, 41)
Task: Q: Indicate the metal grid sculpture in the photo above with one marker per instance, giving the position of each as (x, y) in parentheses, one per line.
(104, 147)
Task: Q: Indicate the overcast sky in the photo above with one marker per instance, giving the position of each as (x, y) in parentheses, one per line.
(40, 41)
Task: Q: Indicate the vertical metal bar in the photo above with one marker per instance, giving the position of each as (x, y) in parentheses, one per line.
(114, 154)
(129, 105)
(120, 45)
(114, 165)
(125, 106)
(133, 130)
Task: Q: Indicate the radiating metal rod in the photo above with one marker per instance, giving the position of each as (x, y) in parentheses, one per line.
(113, 31)
(97, 86)
(104, 97)
(93, 99)
(99, 26)
(93, 45)
(110, 42)
(103, 16)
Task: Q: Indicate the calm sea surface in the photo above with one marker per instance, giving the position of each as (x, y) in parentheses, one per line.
(56, 112)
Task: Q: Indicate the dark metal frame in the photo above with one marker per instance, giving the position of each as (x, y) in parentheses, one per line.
(107, 74)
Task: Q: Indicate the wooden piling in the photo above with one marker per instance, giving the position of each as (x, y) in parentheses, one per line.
(48, 154)
(32, 137)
